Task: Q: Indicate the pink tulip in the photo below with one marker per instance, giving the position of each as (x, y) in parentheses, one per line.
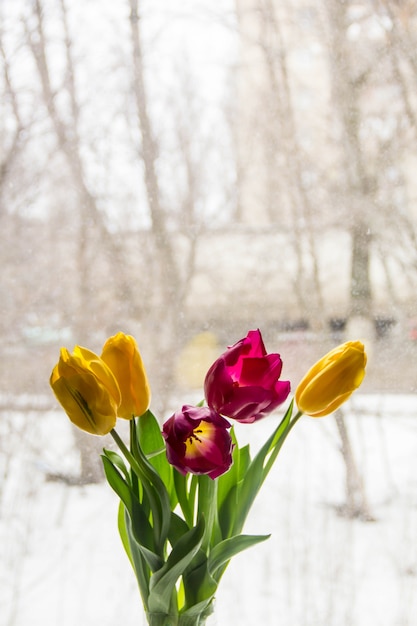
(243, 384)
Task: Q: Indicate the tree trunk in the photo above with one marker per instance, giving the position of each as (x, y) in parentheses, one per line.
(356, 505)
(359, 185)
(360, 295)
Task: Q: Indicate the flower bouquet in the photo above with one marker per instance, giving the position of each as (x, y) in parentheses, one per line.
(186, 489)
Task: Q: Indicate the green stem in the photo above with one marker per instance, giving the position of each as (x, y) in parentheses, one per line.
(279, 445)
(139, 468)
(126, 452)
(207, 506)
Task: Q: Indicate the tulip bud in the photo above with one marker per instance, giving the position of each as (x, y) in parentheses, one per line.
(121, 355)
(332, 380)
(87, 390)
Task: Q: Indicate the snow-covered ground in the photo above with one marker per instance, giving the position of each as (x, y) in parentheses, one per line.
(62, 563)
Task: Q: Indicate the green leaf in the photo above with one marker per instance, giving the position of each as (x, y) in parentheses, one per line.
(121, 523)
(230, 478)
(192, 489)
(228, 488)
(228, 512)
(166, 472)
(163, 581)
(154, 561)
(140, 567)
(201, 610)
(118, 462)
(278, 439)
(141, 535)
(257, 471)
(141, 529)
(153, 445)
(207, 507)
(142, 559)
(241, 460)
(225, 550)
(244, 461)
(198, 583)
(149, 434)
(155, 489)
(177, 529)
(117, 483)
(181, 489)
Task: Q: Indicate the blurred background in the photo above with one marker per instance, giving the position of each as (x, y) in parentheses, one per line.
(184, 171)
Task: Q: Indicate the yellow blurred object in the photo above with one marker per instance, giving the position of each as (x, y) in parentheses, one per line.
(195, 359)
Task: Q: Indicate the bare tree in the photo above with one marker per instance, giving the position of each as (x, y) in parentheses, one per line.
(356, 505)
(93, 237)
(13, 144)
(282, 164)
(172, 266)
(66, 130)
(275, 38)
(347, 82)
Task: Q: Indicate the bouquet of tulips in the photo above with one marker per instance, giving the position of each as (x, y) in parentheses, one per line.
(186, 488)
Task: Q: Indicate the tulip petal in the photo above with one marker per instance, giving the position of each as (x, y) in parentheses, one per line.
(98, 420)
(268, 369)
(333, 405)
(86, 389)
(121, 355)
(91, 361)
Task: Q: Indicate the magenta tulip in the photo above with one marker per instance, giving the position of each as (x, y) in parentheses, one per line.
(243, 383)
(198, 441)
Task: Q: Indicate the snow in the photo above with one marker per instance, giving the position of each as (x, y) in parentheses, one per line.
(62, 561)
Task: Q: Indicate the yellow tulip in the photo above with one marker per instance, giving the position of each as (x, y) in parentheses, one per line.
(332, 380)
(87, 390)
(122, 356)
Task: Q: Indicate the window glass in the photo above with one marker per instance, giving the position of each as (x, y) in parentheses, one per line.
(184, 171)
